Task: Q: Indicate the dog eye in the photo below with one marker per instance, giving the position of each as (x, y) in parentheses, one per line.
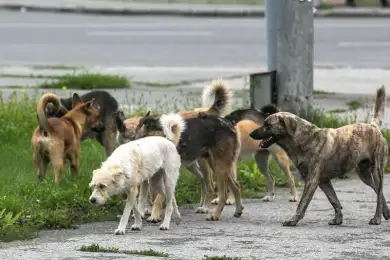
(102, 186)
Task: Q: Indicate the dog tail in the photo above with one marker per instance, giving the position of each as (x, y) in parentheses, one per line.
(173, 126)
(379, 107)
(41, 109)
(218, 97)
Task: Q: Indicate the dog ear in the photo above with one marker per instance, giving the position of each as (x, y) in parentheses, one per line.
(116, 176)
(76, 100)
(92, 103)
(290, 125)
(147, 114)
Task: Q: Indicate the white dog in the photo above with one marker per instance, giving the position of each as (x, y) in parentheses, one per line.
(151, 160)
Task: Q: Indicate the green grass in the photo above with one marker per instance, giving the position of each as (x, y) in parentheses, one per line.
(28, 206)
(354, 104)
(98, 248)
(55, 67)
(321, 92)
(87, 81)
(224, 257)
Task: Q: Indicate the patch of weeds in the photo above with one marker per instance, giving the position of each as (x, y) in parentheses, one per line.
(321, 92)
(98, 248)
(337, 111)
(87, 81)
(354, 105)
(55, 67)
(224, 257)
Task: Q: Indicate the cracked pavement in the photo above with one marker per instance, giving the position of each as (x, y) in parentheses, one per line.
(258, 234)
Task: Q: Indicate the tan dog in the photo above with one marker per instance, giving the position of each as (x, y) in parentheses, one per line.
(58, 138)
(251, 148)
(321, 154)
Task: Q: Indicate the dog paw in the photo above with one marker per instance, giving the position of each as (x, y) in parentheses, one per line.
(386, 214)
(177, 221)
(212, 217)
(230, 201)
(268, 198)
(136, 227)
(164, 227)
(215, 201)
(375, 221)
(153, 219)
(293, 199)
(119, 231)
(202, 210)
(290, 223)
(336, 221)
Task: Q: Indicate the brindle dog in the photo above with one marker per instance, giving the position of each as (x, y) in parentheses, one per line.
(321, 154)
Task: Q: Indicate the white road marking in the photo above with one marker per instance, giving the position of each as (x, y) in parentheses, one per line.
(364, 44)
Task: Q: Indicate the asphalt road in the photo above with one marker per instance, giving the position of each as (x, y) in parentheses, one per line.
(258, 233)
(44, 38)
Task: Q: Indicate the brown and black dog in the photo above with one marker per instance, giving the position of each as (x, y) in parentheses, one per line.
(321, 154)
(106, 133)
(216, 100)
(58, 138)
(207, 137)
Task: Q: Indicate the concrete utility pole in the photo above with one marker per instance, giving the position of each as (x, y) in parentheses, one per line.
(294, 52)
(271, 22)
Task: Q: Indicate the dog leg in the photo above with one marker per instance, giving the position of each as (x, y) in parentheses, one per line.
(284, 163)
(235, 187)
(169, 195)
(222, 191)
(109, 137)
(308, 192)
(130, 202)
(41, 162)
(158, 192)
(57, 160)
(143, 196)
(327, 188)
(194, 168)
(74, 163)
(205, 168)
(262, 159)
(372, 176)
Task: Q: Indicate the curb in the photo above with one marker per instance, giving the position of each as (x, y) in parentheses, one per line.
(191, 12)
(138, 12)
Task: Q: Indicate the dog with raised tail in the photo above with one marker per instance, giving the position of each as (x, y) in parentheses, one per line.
(153, 161)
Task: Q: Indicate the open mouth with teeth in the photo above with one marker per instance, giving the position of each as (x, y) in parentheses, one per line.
(267, 142)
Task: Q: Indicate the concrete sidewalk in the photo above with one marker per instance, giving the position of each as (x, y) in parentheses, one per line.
(258, 234)
(339, 79)
(200, 10)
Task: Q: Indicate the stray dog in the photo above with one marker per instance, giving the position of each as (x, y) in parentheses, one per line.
(210, 138)
(321, 154)
(57, 138)
(152, 159)
(246, 121)
(106, 133)
(216, 100)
